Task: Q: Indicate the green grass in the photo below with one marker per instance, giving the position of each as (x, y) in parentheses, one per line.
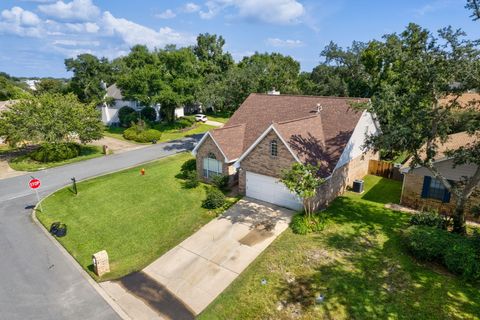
(25, 163)
(135, 218)
(168, 134)
(222, 117)
(357, 262)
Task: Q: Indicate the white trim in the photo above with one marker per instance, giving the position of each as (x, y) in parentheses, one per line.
(262, 136)
(194, 151)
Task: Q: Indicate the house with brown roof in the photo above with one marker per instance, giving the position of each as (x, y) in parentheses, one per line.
(422, 191)
(269, 132)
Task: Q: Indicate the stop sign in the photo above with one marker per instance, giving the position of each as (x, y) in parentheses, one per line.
(34, 183)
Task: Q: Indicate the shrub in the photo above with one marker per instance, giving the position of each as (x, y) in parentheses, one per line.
(301, 224)
(184, 122)
(431, 219)
(426, 243)
(460, 257)
(126, 115)
(215, 199)
(456, 252)
(191, 179)
(51, 152)
(220, 181)
(189, 165)
(147, 135)
(149, 114)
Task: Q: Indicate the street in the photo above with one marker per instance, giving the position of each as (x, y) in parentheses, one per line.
(37, 281)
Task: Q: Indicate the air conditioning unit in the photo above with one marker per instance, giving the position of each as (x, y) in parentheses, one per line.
(358, 186)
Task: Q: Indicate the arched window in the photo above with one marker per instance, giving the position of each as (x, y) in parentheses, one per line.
(211, 155)
(273, 148)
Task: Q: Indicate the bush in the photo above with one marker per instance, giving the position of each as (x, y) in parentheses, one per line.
(149, 114)
(220, 181)
(426, 243)
(301, 224)
(52, 152)
(147, 135)
(184, 122)
(215, 199)
(431, 219)
(191, 179)
(457, 253)
(126, 116)
(461, 258)
(189, 165)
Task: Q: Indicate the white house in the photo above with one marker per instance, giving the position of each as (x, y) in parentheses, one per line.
(110, 112)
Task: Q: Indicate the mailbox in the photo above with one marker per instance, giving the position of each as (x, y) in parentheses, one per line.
(100, 263)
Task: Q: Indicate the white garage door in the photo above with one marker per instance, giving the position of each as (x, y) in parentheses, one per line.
(271, 190)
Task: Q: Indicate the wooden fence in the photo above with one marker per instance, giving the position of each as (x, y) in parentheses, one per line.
(384, 169)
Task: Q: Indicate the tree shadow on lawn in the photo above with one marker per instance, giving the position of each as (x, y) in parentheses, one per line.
(368, 273)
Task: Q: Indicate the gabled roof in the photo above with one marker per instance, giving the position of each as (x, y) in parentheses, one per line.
(114, 92)
(314, 129)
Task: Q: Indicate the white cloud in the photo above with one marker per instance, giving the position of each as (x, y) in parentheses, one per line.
(288, 43)
(190, 7)
(167, 14)
(20, 22)
(269, 11)
(75, 43)
(77, 10)
(132, 33)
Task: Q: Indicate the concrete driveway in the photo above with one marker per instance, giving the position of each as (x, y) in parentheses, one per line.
(202, 266)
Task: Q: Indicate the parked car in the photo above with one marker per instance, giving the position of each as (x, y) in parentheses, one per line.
(201, 117)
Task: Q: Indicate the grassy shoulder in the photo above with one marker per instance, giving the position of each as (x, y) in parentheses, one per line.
(222, 117)
(135, 218)
(357, 262)
(25, 163)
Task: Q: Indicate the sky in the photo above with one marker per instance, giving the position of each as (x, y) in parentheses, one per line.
(37, 35)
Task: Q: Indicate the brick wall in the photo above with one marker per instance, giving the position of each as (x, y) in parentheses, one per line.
(208, 146)
(260, 161)
(412, 197)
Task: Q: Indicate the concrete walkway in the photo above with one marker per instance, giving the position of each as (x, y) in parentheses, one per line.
(202, 266)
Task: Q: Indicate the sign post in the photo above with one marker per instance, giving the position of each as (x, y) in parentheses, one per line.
(35, 184)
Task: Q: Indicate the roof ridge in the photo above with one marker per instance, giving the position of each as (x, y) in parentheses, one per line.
(306, 96)
(297, 119)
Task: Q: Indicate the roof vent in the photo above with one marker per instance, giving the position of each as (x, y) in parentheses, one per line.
(274, 92)
(319, 108)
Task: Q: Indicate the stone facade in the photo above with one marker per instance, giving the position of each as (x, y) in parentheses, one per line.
(412, 197)
(260, 160)
(209, 146)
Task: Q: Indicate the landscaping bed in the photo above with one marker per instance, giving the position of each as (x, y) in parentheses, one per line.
(135, 218)
(359, 265)
(24, 162)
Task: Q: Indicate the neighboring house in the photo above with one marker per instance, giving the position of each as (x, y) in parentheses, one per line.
(269, 132)
(424, 192)
(110, 112)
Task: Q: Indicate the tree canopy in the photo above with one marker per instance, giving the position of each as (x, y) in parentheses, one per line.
(51, 118)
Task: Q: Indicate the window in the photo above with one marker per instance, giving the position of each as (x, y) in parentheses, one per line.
(273, 148)
(434, 189)
(211, 166)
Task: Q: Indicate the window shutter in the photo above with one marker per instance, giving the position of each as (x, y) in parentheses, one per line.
(426, 186)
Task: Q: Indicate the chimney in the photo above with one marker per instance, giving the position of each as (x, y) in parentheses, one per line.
(273, 92)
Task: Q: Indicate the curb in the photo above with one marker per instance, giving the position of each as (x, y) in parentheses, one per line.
(109, 300)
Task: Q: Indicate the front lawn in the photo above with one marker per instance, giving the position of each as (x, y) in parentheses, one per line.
(135, 218)
(357, 263)
(25, 163)
(222, 117)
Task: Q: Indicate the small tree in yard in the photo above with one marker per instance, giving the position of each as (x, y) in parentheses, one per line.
(303, 181)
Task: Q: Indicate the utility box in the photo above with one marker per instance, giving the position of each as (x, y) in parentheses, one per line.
(105, 149)
(100, 263)
(358, 186)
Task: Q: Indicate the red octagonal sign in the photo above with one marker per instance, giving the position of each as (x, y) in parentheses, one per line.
(34, 183)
